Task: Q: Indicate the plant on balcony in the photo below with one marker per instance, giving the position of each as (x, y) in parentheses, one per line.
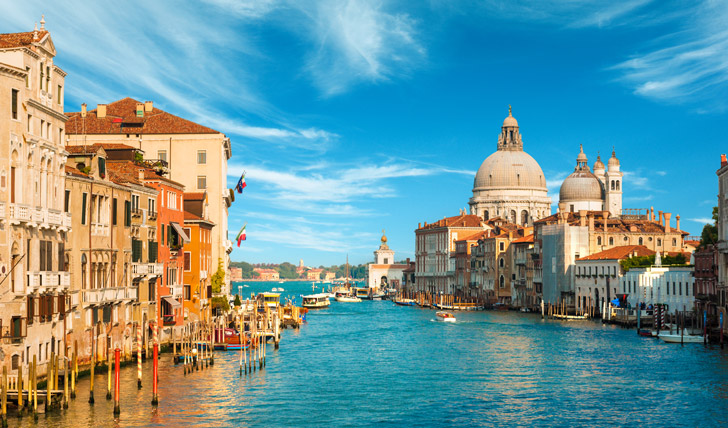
(220, 304)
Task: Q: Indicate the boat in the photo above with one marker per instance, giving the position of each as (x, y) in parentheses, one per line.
(271, 299)
(404, 302)
(362, 292)
(315, 301)
(274, 289)
(444, 316)
(678, 338)
(644, 333)
(347, 298)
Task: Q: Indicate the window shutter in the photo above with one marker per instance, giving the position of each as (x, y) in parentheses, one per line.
(83, 208)
(114, 208)
(127, 213)
(42, 256)
(61, 257)
(49, 255)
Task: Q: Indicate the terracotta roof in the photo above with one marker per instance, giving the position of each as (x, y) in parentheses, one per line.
(528, 238)
(462, 220)
(614, 224)
(194, 196)
(73, 171)
(83, 149)
(190, 216)
(123, 172)
(16, 40)
(619, 253)
(121, 118)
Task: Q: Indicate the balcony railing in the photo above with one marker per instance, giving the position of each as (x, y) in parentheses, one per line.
(43, 281)
(155, 268)
(168, 320)
(98, 229)
(176, 290)
(20, 214)
(110, 295)
(16, 331)
(2, 210)
(139, 269)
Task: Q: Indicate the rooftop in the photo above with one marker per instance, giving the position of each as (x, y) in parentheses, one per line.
(619, 253)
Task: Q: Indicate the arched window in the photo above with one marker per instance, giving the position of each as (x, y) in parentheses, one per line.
(611, 240)
(502, 281)
(612, 184)
(674, 242)
(617, 184)
(513, 216)
(659, 242)
(599, 240)
(640, 241)
(486, 215)
(524, 218)
(501, 262)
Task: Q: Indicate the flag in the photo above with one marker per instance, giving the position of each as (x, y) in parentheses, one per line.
(241, 234)
(241, 184)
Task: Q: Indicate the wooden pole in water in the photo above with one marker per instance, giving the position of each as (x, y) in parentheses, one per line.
(117, 358)
(242, 350)
(74, 371)
(35, 387)
(49, 384)
(155, 362)
(65, 383)
(139, 356)
(108, 375)
(5, 396)
(20, 388)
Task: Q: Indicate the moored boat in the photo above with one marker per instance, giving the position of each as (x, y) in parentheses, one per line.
(404, 302)
(362, 292)
(315, 301)
(678, 338)
(347, 299)
(271, 299)
(444, 316)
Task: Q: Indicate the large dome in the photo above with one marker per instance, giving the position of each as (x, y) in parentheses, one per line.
(581, 186)
(509, 169)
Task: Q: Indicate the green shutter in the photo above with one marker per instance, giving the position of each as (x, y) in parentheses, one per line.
(83, 208)
(114, 208)
(127, 213)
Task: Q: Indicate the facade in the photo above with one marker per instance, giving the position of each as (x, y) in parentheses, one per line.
(434, 248)
(722, 244)
(510, 183)
(598, 276)
(197, 258)
(330, 276)
(706, 279)
(35, 280)
(464, 279)
(673, 286)
(99, 249)
(597, 191)
(384, 272)
(267, 274)
(524, 293)
(314, 274)
(195, 155)
(236, 274)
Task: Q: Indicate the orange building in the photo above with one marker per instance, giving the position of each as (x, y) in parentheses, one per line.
(197, 258)
(267, 274)
(314, 274)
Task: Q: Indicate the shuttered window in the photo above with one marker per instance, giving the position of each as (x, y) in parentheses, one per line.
(127, 213)
(136, 250)
(84, 197)
(152, 252)
(114, 208)
(61, 257)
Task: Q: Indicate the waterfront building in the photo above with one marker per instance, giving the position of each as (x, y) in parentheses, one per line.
(668, 285)
(434, 247)
(99, 250)
(597, 191)
(314, 274)
(196, 156)
(498, 274)
(384, 272)
(197, 258)
(722, 243)
(465, 284)
(34, 225)
(329, 276)
(524, 293)
(597, 276)
(236, 274)
(267, 274)
(705, 260)
(510, 183)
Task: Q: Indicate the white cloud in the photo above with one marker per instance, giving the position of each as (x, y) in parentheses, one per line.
(661, 173)
(702, 220)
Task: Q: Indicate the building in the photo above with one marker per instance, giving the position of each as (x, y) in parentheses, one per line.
(495, 260)
(267, 274)
(329, 276)
(597, 191)
(672, 286)
(197, 258)
(598, 276)
(524, 292)
(236, 274)
(384, 272)
(434, 248)
(510, 183)
(314, 274)
(195, 155)
(465, 286)
(99, 255)
(705, 260)
(722, 244)
(35, 222)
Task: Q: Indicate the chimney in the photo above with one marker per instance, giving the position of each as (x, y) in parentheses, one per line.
(83, 110)
(677, 219)
(140, 110)
(660, 214)
(419, 225)
(591, 223)
(605, 215)
(148, 106)
(723, 161)
(101, 111)
(652, 214)
(667, 222)
(582, 217)
(141, 175)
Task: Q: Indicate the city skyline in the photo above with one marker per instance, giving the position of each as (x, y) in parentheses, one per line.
(352, 117)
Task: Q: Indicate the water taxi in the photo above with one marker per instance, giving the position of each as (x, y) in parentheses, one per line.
(444, 316)
(316, 301)
(678, 338)
(345, 298)
(362, 292)
(271, 299)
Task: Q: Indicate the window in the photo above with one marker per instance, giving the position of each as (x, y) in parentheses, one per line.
(30, 124)
(42, 127)
(188, 292)
(162, 240)
(640, 241)
(59, 94)
(201, 157)
(152, 252)
(27, 77)
(83, 208)
(201, 182)
(188, 232)
(14, 104)
(162, 155)
(150, 206)
(501, 262)
(46, 256)
(502, 246)
(611, 241)
(188, 261)
(61, 257)
(674, 242)
(66, 201)
(599, 240)
(136, 250)
(659, 242)
(114, 208)
(102, 167)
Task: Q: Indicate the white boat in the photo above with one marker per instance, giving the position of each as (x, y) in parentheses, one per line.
(677, 338)
(271, 299)
(315, 301)
(445, 316)
(348, 299)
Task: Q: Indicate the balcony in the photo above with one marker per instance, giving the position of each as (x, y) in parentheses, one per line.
(2, 210)
(139, 269)
(176, 290)
(48, 280)
(16, 331)
(98, 229)
(168, 320)
(203, 275)
(155, 269)
(110, 295)
(152, 215)
(20, 214)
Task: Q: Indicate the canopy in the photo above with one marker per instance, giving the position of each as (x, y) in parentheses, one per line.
(171, 301)
(180, 232)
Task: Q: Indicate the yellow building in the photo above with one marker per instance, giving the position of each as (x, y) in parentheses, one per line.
(197, 258)
(34, 298)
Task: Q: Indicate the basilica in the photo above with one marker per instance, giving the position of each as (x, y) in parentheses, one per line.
(600, 190)
(510, 183)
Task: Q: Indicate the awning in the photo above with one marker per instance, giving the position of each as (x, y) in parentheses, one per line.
(171, 301)
(181, 232)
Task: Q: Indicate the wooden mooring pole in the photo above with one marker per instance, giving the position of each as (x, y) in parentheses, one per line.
(155, 362)
(117, 358)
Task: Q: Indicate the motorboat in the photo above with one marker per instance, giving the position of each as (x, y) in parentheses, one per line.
(347, 298)
(684, 338)
(315, 301)
(444, 316)
(271, 299)
(404, 302)
(362, 292)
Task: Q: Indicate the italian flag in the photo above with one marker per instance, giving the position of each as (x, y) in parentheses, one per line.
(241, 234)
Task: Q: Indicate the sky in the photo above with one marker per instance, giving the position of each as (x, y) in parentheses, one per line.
(353, 116)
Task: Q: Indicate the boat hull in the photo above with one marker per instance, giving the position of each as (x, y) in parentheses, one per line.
(676, 338)
(445, 317)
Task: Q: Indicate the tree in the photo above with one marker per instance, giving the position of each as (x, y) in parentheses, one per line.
(237, 302)
(220, 304)
(709, 235)
(218, 279)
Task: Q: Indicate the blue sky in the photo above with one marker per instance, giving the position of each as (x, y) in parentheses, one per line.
(354, 116)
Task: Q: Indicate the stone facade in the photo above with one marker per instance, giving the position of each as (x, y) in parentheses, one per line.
(669, 285)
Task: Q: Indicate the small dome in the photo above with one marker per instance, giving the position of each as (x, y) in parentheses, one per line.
(384, 237)
(509, 169)
(510, 121)
(581, 156)
(613, 161)
(581, 186)
(598, 164)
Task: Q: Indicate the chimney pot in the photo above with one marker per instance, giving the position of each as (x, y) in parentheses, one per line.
(101, 111)
(659, 213)
(667, 222)
(148, 106)
(677, 220)
(83, 110)
(723, 160)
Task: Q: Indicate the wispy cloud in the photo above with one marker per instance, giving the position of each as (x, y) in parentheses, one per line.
(638, 198)
(702, 220)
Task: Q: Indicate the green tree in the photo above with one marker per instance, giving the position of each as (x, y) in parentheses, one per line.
(237, 302)
(710, 231)
(220, 304)
(218, 279)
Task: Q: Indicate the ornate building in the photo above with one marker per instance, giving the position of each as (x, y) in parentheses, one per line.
(597, 191)
(510, 183)
(384, 272)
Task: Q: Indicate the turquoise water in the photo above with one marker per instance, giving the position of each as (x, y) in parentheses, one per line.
(373, 363)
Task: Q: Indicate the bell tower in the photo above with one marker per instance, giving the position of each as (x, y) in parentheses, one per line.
(613, 186)
(384, 256)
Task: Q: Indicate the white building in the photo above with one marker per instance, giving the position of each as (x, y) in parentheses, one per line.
(597, 191)
(672, 286)
(384, 273)
(510, 183)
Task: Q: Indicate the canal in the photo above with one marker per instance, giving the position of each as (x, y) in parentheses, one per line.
(373, 363)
